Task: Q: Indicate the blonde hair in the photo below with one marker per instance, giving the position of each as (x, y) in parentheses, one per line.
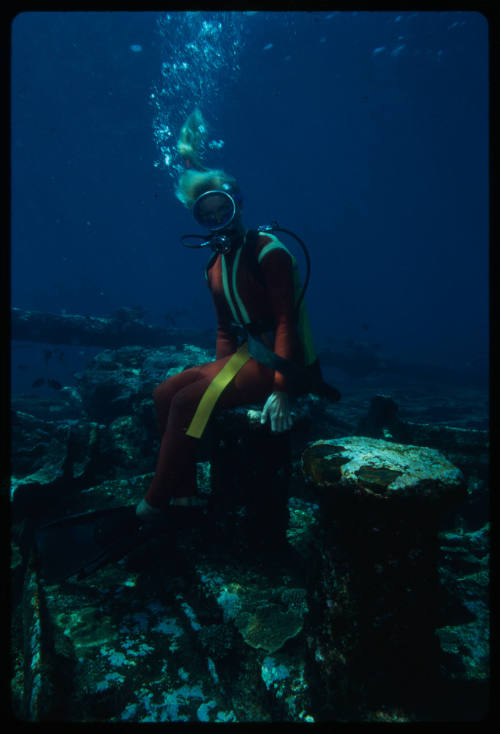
(197, 179)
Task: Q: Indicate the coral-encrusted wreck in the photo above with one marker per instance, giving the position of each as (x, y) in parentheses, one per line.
(339, 573)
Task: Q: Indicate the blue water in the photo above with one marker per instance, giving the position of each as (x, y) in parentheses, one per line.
(365, 133)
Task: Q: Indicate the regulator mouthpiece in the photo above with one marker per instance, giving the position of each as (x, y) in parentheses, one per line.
(220, 243)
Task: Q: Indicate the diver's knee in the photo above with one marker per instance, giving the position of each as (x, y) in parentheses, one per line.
(161, 396)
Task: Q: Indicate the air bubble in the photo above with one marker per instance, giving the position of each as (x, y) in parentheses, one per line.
(213, 47)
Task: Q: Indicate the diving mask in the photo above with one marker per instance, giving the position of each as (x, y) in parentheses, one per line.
(215, 210)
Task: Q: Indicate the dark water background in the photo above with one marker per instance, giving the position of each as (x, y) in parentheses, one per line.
(366, 133)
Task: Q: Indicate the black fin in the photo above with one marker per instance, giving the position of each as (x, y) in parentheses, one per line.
(85, 542)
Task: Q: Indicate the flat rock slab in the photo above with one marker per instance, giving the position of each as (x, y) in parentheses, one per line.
(361, 467)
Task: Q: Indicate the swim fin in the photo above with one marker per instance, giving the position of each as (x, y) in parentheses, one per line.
(87, 541)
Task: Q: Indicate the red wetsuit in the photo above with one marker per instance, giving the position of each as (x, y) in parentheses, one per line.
(238, 297)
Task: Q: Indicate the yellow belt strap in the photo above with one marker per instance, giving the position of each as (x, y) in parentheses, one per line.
(214, 390)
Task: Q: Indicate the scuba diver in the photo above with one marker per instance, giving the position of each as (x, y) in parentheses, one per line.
(254, 283)
(264, 354)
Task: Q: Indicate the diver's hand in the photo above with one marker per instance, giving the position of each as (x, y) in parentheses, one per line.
(277, 411)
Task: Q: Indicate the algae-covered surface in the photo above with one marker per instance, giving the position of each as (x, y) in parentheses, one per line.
(201, 625)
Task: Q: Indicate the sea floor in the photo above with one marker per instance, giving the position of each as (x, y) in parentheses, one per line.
(464, 404)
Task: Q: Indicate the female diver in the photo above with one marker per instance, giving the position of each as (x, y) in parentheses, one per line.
(265, 305)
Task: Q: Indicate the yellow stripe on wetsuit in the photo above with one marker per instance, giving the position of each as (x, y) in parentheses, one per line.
(214, 390)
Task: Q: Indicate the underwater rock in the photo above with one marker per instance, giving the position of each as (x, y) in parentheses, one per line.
(464, 559)
(467, 448)
(268, 627)
(139, 641)
(249, 466)
(66, 404)
(123, 329)
(33, 439)
(356, 467)
(34, 673)
(53, 459)
(265, 609)
(240, 484)
(379, 602)
(108, 639)
(124, 448)
(129, 653)
(448, 438)
(315, 417)
(50, 457)
(266, 613)
(371, 607)
(303, 526)
(382, 419)
(116, 382)
(116, 388)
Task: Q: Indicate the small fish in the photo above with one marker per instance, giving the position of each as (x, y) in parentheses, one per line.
(47, 354)
(38, 382)
(396, 51)
(22, 367)
(54, 384)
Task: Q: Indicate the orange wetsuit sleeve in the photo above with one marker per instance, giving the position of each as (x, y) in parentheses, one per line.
(276, 268)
